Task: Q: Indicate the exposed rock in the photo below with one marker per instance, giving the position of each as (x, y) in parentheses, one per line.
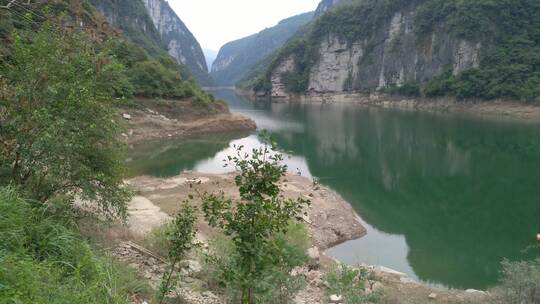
(279, 89)
(475, 292)
(180, 42)
(126, 116)
(432, 296)
(191, 267)
(146, 126)
(407, 280)
(313, 253)
(336, 298)
(390, 271)
(392, 54)
(337, 67)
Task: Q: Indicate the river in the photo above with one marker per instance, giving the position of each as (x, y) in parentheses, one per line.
(445, 197)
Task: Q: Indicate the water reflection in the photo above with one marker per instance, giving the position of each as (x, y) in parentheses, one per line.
(445, 198)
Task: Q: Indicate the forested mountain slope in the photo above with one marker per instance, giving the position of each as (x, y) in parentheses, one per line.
(126, 29)
(236, 59)
(467, 49)
(153, 25)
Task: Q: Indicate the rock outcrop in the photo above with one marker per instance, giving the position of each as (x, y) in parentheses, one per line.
(279, 89)
(180, 42)
(393, 53)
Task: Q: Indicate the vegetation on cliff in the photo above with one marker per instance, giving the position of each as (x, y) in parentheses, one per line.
(150, 71)
(237, 58)
(510, 60)
(507, 30)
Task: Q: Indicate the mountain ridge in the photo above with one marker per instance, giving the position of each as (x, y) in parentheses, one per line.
(236, 58)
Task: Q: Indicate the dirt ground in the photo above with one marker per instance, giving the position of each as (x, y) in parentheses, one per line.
(331, 221)
(521, 111)
(155, 119)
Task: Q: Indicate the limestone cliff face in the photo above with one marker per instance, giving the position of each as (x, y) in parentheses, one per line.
(279, 89)
(392, 54)
(180, 42)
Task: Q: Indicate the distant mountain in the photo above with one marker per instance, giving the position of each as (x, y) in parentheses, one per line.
(210, 56)
(236, 59)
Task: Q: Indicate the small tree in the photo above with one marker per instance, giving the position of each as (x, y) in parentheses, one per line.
(180, 238)
(254, 221)
(520, 283)
(58, 129)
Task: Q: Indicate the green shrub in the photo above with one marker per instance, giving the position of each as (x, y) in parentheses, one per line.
(275, 285)
(352, 283)
(255, 222)
(410, 89)
(59, 130)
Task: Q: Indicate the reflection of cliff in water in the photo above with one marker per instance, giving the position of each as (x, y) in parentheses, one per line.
(171, 157)
(463, 192)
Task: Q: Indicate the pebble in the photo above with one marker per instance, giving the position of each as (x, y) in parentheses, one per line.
(335, 298)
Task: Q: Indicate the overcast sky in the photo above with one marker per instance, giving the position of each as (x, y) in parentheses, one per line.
(216, 22)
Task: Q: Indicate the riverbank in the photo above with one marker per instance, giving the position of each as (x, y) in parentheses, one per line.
(496, 108)
(158, 119)
(330, 221)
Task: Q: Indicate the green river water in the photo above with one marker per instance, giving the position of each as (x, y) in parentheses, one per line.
(445, 198)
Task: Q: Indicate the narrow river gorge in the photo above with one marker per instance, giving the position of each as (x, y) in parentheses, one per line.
(444, 197)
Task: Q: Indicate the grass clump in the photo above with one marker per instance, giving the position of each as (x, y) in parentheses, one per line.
(43, 260)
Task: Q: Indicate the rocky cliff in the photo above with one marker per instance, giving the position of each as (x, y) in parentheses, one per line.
(411, 47)
(131, 17)
(236, 59)
(179, 41)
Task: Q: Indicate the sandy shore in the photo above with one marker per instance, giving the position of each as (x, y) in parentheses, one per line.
(495, 108)
(143, 125)
(331, 220)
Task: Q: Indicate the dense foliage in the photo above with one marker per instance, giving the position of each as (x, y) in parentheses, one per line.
(58, 131)
(44, 261)
(349, 22)
(509, 32)
(255, 222)
(137, 26)
(150, 71)
(246, 52)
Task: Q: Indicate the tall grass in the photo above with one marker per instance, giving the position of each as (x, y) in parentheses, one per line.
(43, 260)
